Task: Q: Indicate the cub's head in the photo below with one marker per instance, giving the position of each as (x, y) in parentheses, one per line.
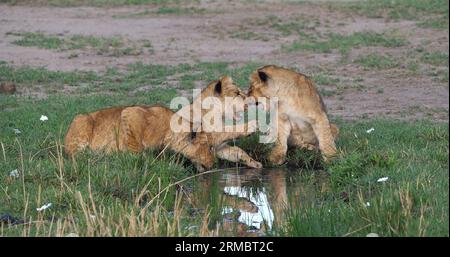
(272, 81)
(259, 82)
(230, 96)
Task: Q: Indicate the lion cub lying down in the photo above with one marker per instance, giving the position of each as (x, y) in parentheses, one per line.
(302, 116)
(135, 128)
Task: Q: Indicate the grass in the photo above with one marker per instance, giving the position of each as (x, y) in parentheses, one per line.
(440, 75)
(164, 10)
(414, 200)
(398, 9)
(428, 13)
(180, 11)
(377, 61)
(248, 35)
(272, 27)
(39, 40)
(344, 43)
(323, 79)
(440, 22)
(295, 26)
(68, 3)
(136, 76)
(435, 58)
(109, 46)
(141, 195)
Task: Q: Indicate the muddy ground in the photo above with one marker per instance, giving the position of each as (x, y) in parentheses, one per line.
(209, 35)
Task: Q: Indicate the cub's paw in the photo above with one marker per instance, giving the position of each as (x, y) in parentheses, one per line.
(255, 165)
(277, 158)
(329, 155)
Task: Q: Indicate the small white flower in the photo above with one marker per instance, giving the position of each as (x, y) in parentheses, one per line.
(44, 207)
(14, 173)
(44, 118)
(356, 136)
(329, 211)
(383, 179)
(16, 131)
(367, 204)
(92, 216)
(370, 130)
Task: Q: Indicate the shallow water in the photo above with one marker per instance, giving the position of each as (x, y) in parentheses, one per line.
(252, 202)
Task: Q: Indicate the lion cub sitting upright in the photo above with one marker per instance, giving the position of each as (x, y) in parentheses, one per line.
(135, 128)
(302, 118)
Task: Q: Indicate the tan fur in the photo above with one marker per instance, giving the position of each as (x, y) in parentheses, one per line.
(302, 118)
(135, 128)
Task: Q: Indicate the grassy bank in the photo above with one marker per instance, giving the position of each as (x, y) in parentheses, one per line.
(139, 195)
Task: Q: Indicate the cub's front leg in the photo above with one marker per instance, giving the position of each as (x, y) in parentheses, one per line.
(278, 153)
(242, 130)
(236, 154)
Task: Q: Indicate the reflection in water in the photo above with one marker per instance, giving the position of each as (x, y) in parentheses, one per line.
(255, 200)
(264, 212)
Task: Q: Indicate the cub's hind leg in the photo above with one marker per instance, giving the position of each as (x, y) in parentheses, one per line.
(79, 135)
(307, 139)
(132, 127)
(326, 134)
(334, 131)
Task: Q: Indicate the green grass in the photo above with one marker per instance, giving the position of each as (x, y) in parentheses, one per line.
(323, 79)
(38, 39)
(68, 3)
(344, 43)
(29, 76)
(295, 26)
(398, 9)
(428, 13)
(272, 27)
(414, 200)
(323, 82)
(435, 58)
(135, 76)
(377, 61)
(440, 22)
(119, 194)
(164, 10)
(180, 11)
(109, 46)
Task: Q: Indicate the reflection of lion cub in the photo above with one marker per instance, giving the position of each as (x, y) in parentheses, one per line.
(302, 118)
(137, 127)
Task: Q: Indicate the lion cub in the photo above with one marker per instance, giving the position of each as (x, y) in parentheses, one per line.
(302, 116)
(135, 128)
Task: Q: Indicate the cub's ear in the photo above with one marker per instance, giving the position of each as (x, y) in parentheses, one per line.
(263, 76)
(226, 80)
(218, 87)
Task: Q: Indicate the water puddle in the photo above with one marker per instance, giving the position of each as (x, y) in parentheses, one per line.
(252, 202)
